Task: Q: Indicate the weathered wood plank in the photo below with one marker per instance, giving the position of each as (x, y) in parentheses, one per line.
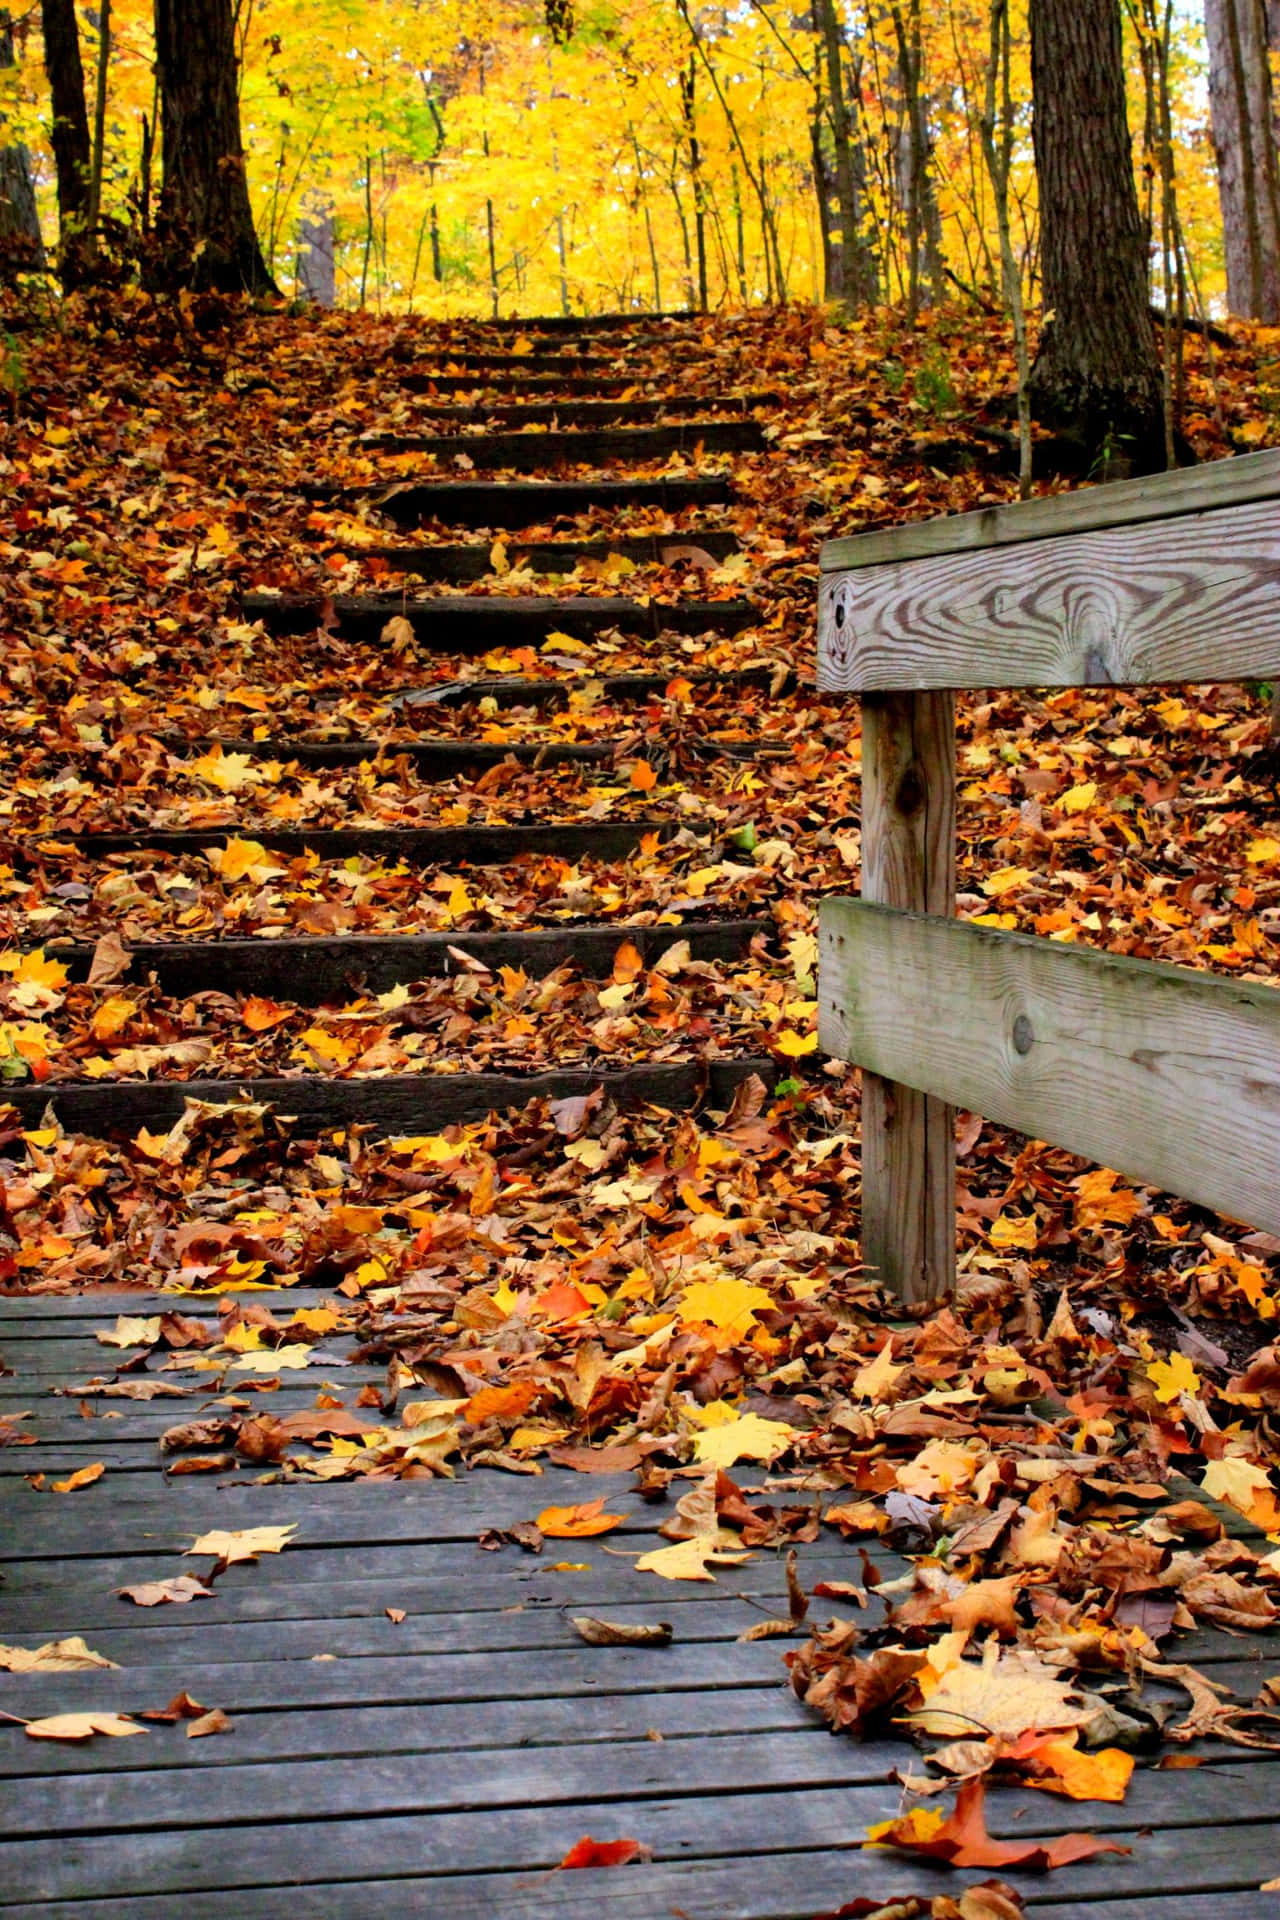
(1187, 1858)
(646, 406)
(1192, 599)
(312, 969)
(1170, 1077)
(1164, 496)
(423, 1102)
(772, 1886)
(908, 861)
(510, 690)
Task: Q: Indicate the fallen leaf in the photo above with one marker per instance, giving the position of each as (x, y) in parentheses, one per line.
(215, 1721)
(961, 1839)
(55, 1656)
(605, 1853)
(244, 1543)
(577, 1523)
(82, 1477)
(179, 1590)
(82, 1726)
(608, 1633)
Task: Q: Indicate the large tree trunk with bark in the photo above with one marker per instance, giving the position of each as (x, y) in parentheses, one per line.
(21, 241)
(1240, 35)
(204, 202)
(72, 152)
(1097, 374)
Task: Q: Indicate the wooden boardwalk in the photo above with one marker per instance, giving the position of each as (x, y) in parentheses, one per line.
(443, 1765)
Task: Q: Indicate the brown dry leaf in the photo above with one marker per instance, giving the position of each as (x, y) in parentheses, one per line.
(131, 1330)
(215, 1721)
(610, 1633)
(154, 1593)
(55, 1656)
(395, 1615)
(110, 961)
(962, 1840)
(82, 1726)
(987, 1603)
(1009, 1694)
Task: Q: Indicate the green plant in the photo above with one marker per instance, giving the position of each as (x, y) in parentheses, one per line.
(13, 376)
(894, 375)
(933, 387)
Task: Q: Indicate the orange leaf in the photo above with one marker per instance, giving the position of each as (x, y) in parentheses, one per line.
(643, 776)
(627, 963)
(562, 1302)
(577, 1523)
(604, 1853)
(259, 1014)
(963, 1840)
(494, 1403)
(82, 1477)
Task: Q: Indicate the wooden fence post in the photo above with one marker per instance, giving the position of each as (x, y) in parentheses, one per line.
(908, 861)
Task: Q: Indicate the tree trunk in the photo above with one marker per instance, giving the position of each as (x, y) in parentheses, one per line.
(1239, 38)
(858, 279)
(205, 198)
(72, 151)
(317, 278)
(916, 191)
(21, 242)
(1097, 373)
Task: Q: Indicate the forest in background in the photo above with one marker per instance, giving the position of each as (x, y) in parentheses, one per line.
(476, 156)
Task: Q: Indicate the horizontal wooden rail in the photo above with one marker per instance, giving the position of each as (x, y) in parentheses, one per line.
(1169, 1076)
(1074, 591)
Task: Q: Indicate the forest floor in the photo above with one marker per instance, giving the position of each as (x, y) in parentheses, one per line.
(237, 631)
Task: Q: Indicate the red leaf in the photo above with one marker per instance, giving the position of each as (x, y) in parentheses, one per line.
(605, 1853)
(963, 1840)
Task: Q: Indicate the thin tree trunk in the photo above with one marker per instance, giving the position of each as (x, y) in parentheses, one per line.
(1097, 372)
(100, 115)
(687, 108)
(1239, 38)
(998, 154)
(69, 137)
(924, 224)
(858, 278)
(21, 241)
(204, 200)
(317, 278)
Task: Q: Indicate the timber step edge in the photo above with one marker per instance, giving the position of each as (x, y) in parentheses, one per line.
(421, 846)
(471, 562)
(416, 1103)
(312, 969)
(511, 692)
(515, 452)
(642, 407)
(513, 504)
(456, 623)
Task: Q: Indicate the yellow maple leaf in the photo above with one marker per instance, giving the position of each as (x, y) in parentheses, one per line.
(32, 969)
(229, 772)
(875, 1381)
(1238, 1481)
(731, 1305)
(749, 1437)
(131, 1330)
(114, 1014)
(1078, 799)
(243, 1543)
(688, 1560)
(1006, 880)
(1262, 849)
(1173, 1377)
(795, 1045)
(238, 858)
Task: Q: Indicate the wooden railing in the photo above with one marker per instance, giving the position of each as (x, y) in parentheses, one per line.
(1167, 1075)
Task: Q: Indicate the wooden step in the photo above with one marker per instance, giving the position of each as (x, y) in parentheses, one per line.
(411, 1103)
(417, 846)
(514, 504)
(463, 563)
(418, 380)
(508, 691)
(458, 624)
(578, 412)
(531, 452)
(434, 759)
(310, 971)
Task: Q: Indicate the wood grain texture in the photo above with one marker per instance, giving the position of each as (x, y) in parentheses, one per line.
(1170, 1077)
(1194, 598)
(453, 623)
(908, 861)
(1220, 483)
